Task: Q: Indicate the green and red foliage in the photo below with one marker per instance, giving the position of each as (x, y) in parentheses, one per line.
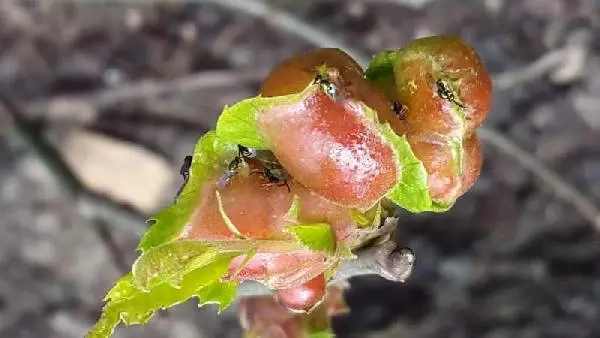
(332, 149)
(338, 151)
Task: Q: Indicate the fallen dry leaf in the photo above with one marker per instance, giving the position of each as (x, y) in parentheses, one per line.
(121, 170)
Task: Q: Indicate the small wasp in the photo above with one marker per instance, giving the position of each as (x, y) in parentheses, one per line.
(246, 152)
(270, 169)
(399, 109)
(274, 175)
(445, 92)
(234, 167)
(326, 78)
(185, 168)
(185, 172)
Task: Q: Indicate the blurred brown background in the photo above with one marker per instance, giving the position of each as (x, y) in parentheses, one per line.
(123, 89)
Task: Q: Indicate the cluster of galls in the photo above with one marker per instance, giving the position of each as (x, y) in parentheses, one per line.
(445, 94)
(325, 150)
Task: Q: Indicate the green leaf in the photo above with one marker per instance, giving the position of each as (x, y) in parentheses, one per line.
(368, 219)
(222, 294)
(314, 236)
(134, 306)
(169, 263)
(382, 65)
(238, 123)
(359, 217)
(317, 323)
(380, 73)
(122, 289)
(342, 253)
(322, 334)
(411, 192)
(441, 207)
(294, 211)
(209, 154)
(247, 257)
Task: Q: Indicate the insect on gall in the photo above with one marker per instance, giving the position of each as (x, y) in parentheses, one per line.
(233, 168)
(445, 92)
(399, 109)
(269, 168)
(327, 79)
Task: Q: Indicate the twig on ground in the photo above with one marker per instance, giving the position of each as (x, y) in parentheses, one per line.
(564, 190)
(101, 212)
(416, 4)
(12, 13)
(262, 10)
(289, 23)
(89, 205)
(92, 102)
(532, 71)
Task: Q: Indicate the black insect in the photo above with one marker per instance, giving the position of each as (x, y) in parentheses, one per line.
(269, 167)
(445, 92)
(274, 175)
(224, 180)
(399, 110)
(326, 81)
(246, 152)
(331, 90)
(185, 168)
(185, 172)
(233, 168)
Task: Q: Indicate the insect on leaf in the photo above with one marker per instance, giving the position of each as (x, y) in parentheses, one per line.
(210, 154)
